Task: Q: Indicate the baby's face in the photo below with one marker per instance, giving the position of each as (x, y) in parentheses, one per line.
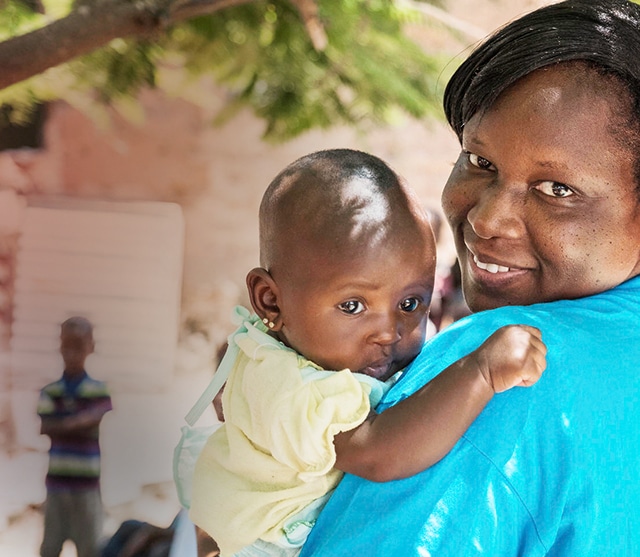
(365, 309)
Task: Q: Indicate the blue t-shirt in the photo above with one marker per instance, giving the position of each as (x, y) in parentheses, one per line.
(549, 470)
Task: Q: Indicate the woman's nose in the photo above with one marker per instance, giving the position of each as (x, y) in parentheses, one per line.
(497, 213)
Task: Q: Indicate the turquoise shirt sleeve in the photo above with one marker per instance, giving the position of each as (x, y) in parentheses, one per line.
(551, 470)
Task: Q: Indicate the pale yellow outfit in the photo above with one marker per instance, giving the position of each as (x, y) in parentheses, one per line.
(274, 455)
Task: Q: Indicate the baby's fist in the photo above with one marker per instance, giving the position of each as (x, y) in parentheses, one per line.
(513, 356)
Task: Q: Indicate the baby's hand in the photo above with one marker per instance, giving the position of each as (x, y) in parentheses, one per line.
(513, 356)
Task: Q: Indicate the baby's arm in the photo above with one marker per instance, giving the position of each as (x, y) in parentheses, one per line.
(420, 430)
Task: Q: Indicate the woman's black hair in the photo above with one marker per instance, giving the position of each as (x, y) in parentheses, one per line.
(605, 34)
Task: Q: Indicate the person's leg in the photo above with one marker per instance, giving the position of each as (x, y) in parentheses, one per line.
(86, 522)
(54, 525)
(120, 538)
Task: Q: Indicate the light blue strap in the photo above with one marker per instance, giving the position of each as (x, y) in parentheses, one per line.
(240, 315)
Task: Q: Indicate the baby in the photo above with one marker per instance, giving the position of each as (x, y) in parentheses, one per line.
(341, 303)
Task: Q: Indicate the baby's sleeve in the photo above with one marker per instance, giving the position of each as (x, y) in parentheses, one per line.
(296, 410)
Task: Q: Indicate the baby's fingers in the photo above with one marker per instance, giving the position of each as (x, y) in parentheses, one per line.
(533, 331)
(535, 364)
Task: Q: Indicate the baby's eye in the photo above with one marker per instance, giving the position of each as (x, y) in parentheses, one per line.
(555, 189)
(480, 162)
(351, 307)
(410, 304)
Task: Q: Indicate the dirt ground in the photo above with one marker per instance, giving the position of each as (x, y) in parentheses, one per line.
(23, 533)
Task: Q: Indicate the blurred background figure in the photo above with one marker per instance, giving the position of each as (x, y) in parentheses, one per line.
(71, 410)
(451, 300)
(135, 538)
(448, 303)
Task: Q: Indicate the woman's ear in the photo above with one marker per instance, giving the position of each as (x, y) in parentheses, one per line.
(263, 293)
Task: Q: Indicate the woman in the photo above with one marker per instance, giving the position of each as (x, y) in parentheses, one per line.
(544, 204)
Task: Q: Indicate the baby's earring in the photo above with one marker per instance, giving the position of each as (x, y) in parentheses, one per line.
(268, 323)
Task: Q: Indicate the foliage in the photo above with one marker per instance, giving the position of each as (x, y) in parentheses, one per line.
(261, 53)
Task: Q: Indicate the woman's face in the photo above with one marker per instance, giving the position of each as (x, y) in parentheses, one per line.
(542, 200)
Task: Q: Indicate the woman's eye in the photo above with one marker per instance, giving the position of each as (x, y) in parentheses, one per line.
(410, 304)
(480, 162)
(555, 189)
(351, 307)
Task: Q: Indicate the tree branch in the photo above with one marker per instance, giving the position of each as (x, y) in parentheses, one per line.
(187, 9)
(309, 12)
(445, 17)
(94, 24)
(82, 31)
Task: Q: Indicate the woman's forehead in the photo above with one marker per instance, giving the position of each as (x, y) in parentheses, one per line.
(557, 107)
(570, 83)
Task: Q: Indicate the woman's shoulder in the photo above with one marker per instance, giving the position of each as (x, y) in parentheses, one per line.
(614, 306)
(571, 329)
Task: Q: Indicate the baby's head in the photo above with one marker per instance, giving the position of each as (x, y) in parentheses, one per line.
(76, 342)
(347, 263)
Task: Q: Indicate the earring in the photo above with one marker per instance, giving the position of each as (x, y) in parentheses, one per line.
(270, 324)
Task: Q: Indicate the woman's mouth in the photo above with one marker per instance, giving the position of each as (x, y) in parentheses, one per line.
(490, 267)
(491, 281)
(495, 274)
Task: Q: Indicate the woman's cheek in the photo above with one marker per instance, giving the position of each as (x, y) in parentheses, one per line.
(457, 198)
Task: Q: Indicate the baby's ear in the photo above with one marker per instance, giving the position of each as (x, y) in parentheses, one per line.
(263, 293)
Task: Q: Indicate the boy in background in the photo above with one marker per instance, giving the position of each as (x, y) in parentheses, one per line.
(71, 410)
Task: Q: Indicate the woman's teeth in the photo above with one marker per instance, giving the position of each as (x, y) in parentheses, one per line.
(490, 267)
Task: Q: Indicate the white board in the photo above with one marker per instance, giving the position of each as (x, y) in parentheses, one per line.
(119, 265)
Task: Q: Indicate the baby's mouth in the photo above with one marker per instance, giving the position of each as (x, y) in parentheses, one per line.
(379, 370)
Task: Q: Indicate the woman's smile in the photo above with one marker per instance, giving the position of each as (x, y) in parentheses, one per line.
(494, 275)
(492, 268)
